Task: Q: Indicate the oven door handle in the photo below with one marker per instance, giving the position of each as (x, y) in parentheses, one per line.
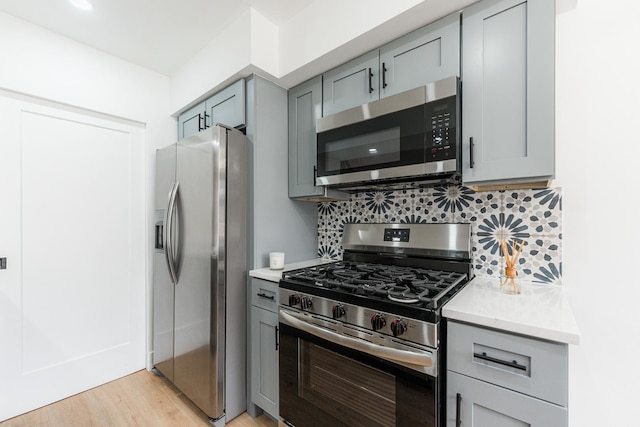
(386, 353)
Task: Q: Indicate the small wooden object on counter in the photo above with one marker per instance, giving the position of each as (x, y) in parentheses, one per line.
(510, 269)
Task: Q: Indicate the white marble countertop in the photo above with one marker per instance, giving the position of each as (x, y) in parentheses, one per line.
(539, 311)
(276, 275)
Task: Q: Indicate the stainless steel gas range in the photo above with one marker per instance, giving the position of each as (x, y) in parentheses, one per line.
(361, 340)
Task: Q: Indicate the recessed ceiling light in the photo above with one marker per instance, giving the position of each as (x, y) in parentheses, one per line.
(82, 4)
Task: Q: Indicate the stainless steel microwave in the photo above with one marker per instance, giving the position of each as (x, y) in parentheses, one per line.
(408, 139)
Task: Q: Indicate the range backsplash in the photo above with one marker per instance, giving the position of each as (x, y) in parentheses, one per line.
(533, 215)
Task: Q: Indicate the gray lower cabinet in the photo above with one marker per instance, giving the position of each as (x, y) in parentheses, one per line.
(480, 404)
(420, 57)
(508, 50)
(497, 379)
(305, 106)
(264, 346)
(226, 107)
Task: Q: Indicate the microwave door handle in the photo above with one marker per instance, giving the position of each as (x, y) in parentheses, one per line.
(392, 354)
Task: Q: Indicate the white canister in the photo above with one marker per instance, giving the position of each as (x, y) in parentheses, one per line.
(276, 260)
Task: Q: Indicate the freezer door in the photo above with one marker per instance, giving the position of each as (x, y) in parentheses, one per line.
(163, 288)
(199, 293)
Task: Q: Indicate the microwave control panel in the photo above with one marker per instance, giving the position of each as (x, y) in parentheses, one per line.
(441, 123)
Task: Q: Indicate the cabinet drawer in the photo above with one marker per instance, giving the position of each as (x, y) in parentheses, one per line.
(264, 294)
(530, 366)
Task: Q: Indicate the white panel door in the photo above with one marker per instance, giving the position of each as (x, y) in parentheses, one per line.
(72, 226)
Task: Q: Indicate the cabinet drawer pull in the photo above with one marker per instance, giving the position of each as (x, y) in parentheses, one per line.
(458, 402)
(265, 296)
(370, 81)
(513, 364)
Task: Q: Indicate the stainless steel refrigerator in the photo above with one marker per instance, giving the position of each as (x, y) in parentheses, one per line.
(199, 269)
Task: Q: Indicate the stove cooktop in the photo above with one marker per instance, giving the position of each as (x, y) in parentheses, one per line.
(403, 289)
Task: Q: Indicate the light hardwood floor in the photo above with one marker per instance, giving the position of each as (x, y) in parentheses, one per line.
(140, 399)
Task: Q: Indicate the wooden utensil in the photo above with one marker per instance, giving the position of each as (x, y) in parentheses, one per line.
(510, 269)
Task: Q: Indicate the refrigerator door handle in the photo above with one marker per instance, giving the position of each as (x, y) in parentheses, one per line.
(168, 234)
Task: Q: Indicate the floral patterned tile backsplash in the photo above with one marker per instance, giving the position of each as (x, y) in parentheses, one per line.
(534, 216)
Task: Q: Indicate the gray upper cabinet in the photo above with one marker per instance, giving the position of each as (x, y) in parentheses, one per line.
(191, 121)
(423, 56)
(508, 92)
(226, 107)
(305, 106)
(352, 84)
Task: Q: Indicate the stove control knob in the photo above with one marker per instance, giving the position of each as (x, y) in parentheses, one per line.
(293, 300)
(378, 321)
(398, 327)
(338, 311)
(306, 303)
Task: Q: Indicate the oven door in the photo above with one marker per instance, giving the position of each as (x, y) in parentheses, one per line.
(325, 381)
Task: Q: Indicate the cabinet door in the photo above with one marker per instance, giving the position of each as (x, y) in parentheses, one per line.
(191, 121)
(305, 106)
(227, 107)
(350, 85)
(508, 91)
(423, 56)
(264, 360)
(481, 404)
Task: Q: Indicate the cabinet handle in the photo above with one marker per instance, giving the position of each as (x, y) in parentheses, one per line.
(315, 174)
(200, 127)
(261, 295)
(370, 81)
(277, 337)
(384, 75)
(471, 153)
(206, 126)
(513, 364)
(458, 401)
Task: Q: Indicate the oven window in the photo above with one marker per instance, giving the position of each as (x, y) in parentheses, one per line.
(364, 150)
(348, 390)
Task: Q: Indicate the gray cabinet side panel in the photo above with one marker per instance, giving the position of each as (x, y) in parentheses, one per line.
(227, 106)
(305, 106)
(428, 54)
(279, 223)
(349, 85)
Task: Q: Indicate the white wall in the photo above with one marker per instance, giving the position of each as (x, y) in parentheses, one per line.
(323, 35)
(42, 64)
(597, 92)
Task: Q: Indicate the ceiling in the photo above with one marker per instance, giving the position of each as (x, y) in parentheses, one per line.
(157, 34)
